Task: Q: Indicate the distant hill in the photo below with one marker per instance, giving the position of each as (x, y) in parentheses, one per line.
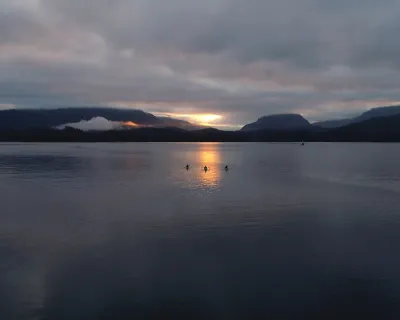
(329, 124)
(376, 129)
(378, 112)
(21, 119)
(177, 123)
(373, 113)
(278, 122)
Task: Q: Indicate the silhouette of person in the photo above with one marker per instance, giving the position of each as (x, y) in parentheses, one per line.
(187, 167)
(205, 168)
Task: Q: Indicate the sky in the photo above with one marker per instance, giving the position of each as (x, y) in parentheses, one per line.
(221, 62)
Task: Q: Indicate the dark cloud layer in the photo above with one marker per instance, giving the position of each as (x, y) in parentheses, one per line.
(242, 59)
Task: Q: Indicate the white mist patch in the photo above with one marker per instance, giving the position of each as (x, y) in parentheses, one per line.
(6, 106)
(94, 124)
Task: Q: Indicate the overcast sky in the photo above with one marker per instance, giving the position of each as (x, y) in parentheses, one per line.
(240, 59)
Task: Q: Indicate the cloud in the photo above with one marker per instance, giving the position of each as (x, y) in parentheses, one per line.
(95, 124)
(5, 106)
(241, 59)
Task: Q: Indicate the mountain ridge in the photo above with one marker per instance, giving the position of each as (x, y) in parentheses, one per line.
(384, 111)
(288, 121)
(22, 119)
(54, 125)
(379, 129)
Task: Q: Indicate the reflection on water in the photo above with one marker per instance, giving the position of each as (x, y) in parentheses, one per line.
(124, 231)
(209, 155)
(199, 156)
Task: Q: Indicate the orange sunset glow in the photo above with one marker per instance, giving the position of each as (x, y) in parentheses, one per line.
(204, 119)
(130, 124)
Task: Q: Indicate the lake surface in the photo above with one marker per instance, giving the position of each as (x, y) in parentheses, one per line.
(123, 231)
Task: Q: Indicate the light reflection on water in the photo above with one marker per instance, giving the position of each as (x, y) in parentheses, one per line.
(209, 154)
(198, 156)
(122, 231)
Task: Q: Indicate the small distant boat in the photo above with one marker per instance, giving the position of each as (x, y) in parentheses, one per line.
(302, 143)
(205, 168)
(187, 167)
(226, 168)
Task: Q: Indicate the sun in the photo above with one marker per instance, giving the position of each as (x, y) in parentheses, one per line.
(205, 119)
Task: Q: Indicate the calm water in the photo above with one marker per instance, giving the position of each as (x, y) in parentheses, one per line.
(123, 231)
